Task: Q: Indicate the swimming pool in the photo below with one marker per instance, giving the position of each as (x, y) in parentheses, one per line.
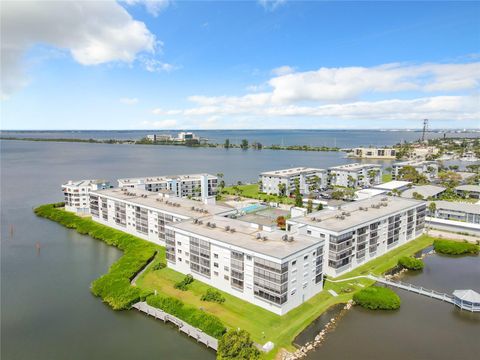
(253, 208)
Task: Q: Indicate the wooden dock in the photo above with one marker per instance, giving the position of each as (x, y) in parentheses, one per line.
(191, 331)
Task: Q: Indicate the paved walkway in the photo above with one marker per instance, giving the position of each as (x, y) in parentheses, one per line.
(453, 236)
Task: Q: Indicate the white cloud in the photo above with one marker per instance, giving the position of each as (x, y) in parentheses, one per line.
(129, 101)
(153, 7)
(401, 92)
(93, 32)
(161, 124)
(283, 70)
(154, 65)
(271, 5)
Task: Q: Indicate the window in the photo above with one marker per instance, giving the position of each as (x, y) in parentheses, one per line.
(294, 262)
(305, 284)
(309, 232)
(305, 257)
(249, 257)
(226, 277)
(215, 265)
(215, 256)
(293, 292)
(226, 268)
(215, 273)
(179, 251)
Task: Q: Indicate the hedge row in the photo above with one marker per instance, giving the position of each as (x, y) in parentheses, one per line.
(208, 323)
(377, 298)
(450, 247)
(114, 287)
(411, 263)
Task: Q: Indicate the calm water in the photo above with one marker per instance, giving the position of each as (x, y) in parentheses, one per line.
(340, 138)
(422, 328)
(47, 309)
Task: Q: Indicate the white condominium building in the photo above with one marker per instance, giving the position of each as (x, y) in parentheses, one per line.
(194, 185)
(448, 210)
(76, 194)
(145, 214)
(284, 181)
(375, 153)
(355, 175)
(274, 270)
(362, 230)
(427, 168)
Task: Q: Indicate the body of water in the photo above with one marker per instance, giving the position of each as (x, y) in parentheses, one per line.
(47, 309)
(331, 138)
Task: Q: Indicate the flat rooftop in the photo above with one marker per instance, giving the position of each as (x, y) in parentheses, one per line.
(392, 185)
(354, 167)
(290, 172)
(458, 206)
(246, 236)
(163, 178)
(360, 212)
(425, 190)
(414, 163)
(472, 188)
(85, 182)
(171, 204)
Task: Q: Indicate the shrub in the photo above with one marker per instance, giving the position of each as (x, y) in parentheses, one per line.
(411, 263)
(450, 247)
(182, 285)
(159, 266)
(208, 323)
(377, 298)
(236, 344)
(213, 296)
(114, 287)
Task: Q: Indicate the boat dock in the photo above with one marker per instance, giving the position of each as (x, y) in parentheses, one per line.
(191, 331)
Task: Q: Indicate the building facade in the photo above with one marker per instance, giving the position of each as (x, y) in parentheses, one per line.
(284, 181)
(355, 175)
(274, 270)
(375, 153)
(427, 168)
(202, 186)
(76, 194)
(469, 213)
(362, 230)
(145, 214)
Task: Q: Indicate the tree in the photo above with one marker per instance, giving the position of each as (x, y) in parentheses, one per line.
(309, 206)
(282, 189)
(237, 345)
(244, 144)
(417, 196)
(388, 170)
(227, 143)
(221, 184)
(409, 173)
(449, 179)
(320, 206)
(372, 174)
(281, 222)
(298, 195)
(351, 181)
(432, 208)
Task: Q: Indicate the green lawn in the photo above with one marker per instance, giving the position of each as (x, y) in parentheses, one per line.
(264, 325)
(386, 178)
(252, 191)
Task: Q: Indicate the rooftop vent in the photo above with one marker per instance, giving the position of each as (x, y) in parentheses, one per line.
(232, 230)
(200, 222)
(290, 238)
(195, 221)
(285, 237)
(265, 238)
(227, 227)
(259, 236)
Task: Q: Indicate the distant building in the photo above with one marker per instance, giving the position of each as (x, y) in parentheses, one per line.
(471, 191)
(427, 168)
(355, 175)
(465, 176)
(425, 191)
(457, 211)
(375, 153)
(186, 136)
(76, 194)
(272, 181)
(368, 193)
(362, 230)
(159, 137)
(193, 185)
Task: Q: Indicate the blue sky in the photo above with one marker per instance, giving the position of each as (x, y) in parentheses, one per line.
(251, 64)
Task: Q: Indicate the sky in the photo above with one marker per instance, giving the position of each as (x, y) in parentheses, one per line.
(239, 65)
